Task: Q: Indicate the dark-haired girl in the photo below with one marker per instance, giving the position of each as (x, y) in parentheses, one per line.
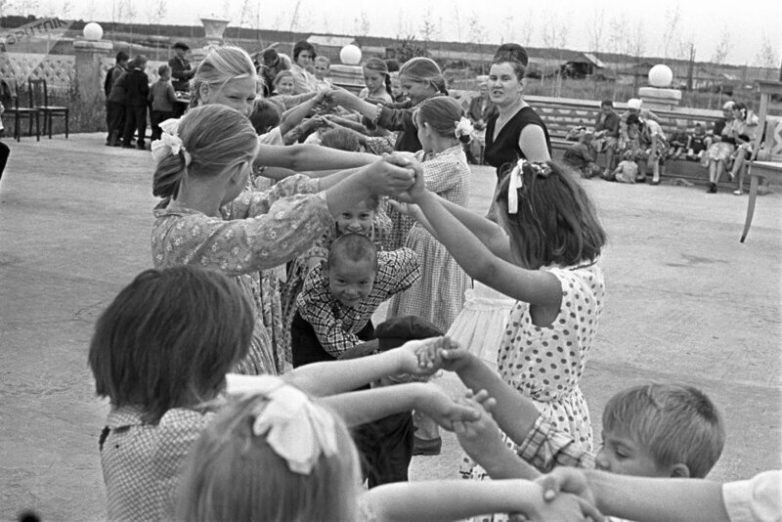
(544, 253)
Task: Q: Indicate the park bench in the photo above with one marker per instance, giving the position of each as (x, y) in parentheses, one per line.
(563, 114)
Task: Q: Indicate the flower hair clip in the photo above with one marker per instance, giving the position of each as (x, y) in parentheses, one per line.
(516, 180)
(463, 128)
(296, 429)
(169, 143)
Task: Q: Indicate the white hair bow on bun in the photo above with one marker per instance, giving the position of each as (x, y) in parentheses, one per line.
(169, 142)
(464, 128)
(296, 429)
(516, 180)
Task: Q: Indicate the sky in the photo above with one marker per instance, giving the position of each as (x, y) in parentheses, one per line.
(747, 32)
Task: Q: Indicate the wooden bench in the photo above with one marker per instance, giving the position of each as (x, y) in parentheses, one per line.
(563, 114)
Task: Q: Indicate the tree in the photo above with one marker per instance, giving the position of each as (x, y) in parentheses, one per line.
(362, 24)
(407, 48)
(720, 55)
(671, 36)
(157, 11)
(767, 54)
(596, 29)
(428, 29)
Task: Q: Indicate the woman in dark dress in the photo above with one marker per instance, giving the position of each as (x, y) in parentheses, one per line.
(515, 131)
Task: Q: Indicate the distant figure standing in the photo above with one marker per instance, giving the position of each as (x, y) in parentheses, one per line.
(115, 99)
(137, 89)
(181, 72)
(162, 101)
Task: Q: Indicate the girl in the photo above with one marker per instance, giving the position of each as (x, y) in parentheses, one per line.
(160, 353)
(378, 82)
(248, 465)
(439, 294)
(719, 152)
(545, 255)
(420, 79)
(208, 218)
(743, 128)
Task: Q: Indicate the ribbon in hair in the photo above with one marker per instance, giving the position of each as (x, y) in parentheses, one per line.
(463, 128)
(169, 142)
(294, 427)
(516, 180)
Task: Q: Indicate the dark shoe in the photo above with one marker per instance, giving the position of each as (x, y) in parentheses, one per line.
(427, 447)
(640, 179)
(712, 188)
(141, 145)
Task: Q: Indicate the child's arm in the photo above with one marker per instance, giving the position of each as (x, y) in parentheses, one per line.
(310, 157)
(536, 287)
(445, 500)
(295, 115)
(170, 93)
(364, 406)
(654, 499)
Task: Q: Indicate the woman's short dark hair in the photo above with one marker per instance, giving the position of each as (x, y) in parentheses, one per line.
(556, 222)
(168, 339)
(511, 52)
(300, 46)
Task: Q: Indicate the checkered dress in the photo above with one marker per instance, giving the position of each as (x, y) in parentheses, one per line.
(439, 295)
(142, 462)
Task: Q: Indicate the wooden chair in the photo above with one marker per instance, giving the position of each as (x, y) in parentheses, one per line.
(767, 155)
(11, 104)
(39, 100)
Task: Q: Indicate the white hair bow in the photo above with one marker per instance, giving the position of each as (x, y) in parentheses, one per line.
(515, 182)
(169, 142)
(464, 128)
(294, 427)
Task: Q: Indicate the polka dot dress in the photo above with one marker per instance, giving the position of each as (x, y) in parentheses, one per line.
(546, 363)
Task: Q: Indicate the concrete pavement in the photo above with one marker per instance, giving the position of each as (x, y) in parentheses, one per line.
(686, 302)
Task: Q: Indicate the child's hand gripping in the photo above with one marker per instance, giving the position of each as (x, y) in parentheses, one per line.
(416, 357)
(413, 193)
(446, 354)
(481, 438)
(388, 177)
(408, 209)
(443, 410)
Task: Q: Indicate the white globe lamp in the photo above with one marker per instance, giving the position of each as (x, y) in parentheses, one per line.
(350, 55)
(93, 32)
(660, 76)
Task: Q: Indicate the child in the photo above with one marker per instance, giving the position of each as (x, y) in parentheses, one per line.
(582, 156)
(742, 153)
(696, 144)
(160, 353)
(136, 84)
(654, 138)
(208, 218)
(626, 171)
(377, 81)
(631, 146)
(439, 295)
(162, 99)
(335, 306)
(678, 143)
(546, 256)
(276, 456)
(321, 70)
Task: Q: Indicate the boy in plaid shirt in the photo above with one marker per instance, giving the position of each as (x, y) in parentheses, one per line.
(335, 306)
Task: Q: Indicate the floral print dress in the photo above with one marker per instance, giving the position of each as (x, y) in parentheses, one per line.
(258, 230)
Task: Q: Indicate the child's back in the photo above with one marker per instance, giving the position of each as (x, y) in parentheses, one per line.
(162, 96)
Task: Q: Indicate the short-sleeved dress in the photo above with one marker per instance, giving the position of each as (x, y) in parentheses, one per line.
(439, 295)
(545, 363)
(503, 150)
(258, 230)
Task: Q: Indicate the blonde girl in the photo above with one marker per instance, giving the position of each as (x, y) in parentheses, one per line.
(276, 456)
(377, 81)
(209, 217)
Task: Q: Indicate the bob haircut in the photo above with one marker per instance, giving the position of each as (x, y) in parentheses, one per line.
(674, 423)
(556, 223)
(168, 339)
(215, 137)
(303, 45)
(232, 474)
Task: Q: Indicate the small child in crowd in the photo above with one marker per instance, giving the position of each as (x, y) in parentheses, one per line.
(161, 352)
(321, 70)
(335, 306)
(162, 99)
(626, 171)
(677, 146)
(582, 156)
(697, 143)
(377, 81)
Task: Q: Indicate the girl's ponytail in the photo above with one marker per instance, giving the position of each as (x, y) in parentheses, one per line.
(168, 175)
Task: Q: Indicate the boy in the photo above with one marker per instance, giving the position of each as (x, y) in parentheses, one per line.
(626, 171)
(582, 156)
(338, 299)
(696, 143)
(322, 69)
(162, 99)
(654, 430)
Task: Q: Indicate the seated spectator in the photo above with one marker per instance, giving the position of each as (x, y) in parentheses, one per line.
(283, 91)
(271, 65)
(582, 156)
(303, 67)
(625, 172)
(696, 143)
(720, 148)
(322, 71)
(607, 132)
(742, 154)
(678, 143)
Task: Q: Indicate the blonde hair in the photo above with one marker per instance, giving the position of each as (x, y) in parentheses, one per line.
(214, 137)
(220, 66)
(232, 474)
(424, 70)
